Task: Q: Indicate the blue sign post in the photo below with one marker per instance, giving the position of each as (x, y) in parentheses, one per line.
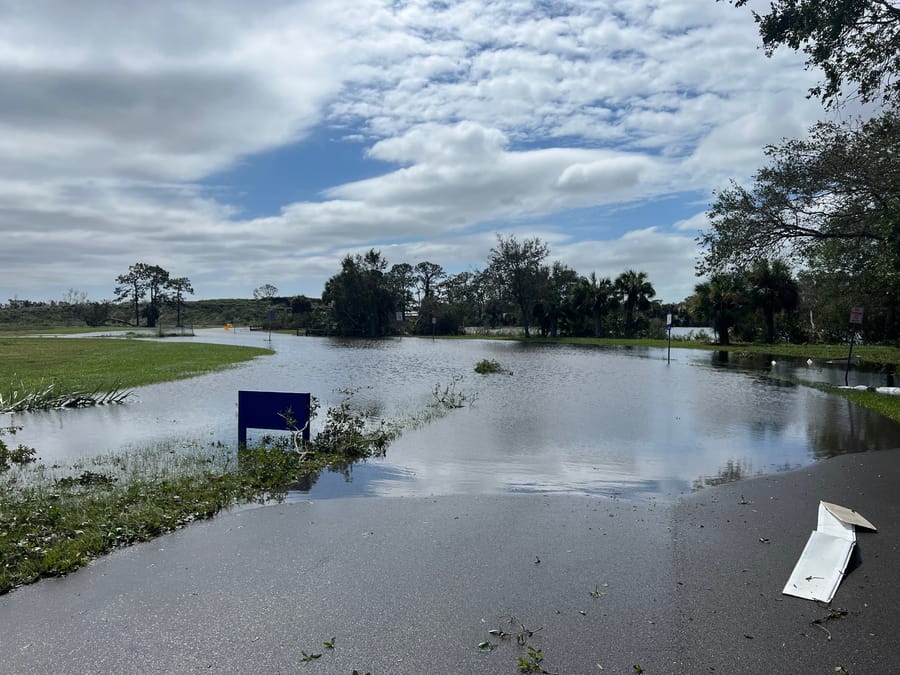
(284, 411)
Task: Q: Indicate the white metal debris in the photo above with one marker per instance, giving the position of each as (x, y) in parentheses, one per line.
(824, 560)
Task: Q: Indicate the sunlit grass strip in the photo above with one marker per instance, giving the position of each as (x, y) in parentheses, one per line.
(109, 364)
(885, 404)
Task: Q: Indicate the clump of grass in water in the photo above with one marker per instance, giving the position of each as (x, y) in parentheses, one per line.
(449, 397)
(48, 396)
(490, 366)
(443, 400)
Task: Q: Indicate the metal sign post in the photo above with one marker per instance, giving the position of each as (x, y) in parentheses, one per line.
(669, 338)
(856, 319)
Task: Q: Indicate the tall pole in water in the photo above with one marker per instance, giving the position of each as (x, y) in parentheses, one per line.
(856, 317)
(669, 338)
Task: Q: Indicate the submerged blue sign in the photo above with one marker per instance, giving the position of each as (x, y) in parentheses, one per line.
(284, 411)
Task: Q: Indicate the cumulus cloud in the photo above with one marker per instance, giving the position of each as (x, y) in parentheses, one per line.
(484, 115)
(604, 175)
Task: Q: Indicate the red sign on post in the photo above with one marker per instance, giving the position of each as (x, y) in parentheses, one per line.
(856, 315)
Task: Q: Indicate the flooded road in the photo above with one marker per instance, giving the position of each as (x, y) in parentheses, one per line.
(567, 419)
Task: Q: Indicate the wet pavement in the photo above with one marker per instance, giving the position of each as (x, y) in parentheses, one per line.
(415, 584)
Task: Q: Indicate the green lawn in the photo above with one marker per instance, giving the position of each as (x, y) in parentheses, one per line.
(102, 363)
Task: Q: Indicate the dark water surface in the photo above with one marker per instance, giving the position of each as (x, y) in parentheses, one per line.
(568, 419)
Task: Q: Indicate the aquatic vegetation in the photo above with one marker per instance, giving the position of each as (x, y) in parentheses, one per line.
(23, 398)
(489, 366)
(352, 433)
(20, 456)
(449, 397)
(58, 518)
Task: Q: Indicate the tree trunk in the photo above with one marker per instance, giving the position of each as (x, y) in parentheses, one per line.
(769, 315)
(722, 330)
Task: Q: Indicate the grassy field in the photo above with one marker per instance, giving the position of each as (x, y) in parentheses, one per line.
(106, 363)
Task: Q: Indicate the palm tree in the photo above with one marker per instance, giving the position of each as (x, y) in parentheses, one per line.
(773, 290)
(594, 297)
(636, 292)
(721, 300)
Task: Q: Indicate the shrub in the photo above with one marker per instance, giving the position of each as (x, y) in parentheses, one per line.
(488, 366)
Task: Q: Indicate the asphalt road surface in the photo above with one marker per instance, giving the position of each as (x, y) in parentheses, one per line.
(415, 585)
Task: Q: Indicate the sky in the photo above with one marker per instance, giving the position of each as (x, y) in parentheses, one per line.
(247, 143)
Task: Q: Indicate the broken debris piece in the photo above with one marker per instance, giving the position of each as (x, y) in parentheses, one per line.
(824, 559)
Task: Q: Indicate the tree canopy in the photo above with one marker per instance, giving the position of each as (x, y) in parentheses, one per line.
(143, 279)
(636, 292)
(852, 41)
(594, 297)
(516, 288)
(721, 300)
(773, 290)
(518, 266)
(265, 292)
(830, 201)
(838, 190)
(360, 296)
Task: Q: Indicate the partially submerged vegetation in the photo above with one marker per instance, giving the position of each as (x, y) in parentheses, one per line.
(47, 397)
(56, 519)
(489, 367)
(885, 404)
(889, 406)
(93, 363)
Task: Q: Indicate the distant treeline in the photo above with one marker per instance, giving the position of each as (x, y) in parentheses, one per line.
(286, 312)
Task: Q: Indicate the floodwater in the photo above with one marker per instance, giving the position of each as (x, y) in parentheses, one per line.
(568, 419)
